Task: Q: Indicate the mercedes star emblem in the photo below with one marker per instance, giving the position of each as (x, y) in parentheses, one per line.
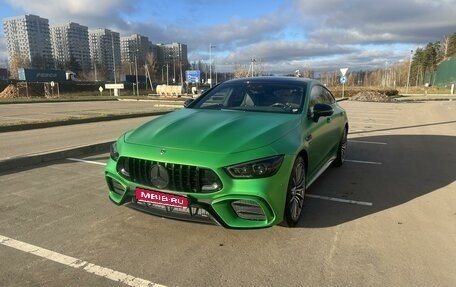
(159, 176)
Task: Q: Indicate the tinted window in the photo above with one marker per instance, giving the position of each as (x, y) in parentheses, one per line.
(320, 95)
(264, 97)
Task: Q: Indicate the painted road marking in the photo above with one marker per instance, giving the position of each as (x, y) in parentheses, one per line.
(77, 263)
(363, 162)
(308, 195)
(347, 160)
(364, 203)
(368, 123)
(86, 161)
(367, 142)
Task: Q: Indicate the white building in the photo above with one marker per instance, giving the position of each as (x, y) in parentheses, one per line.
(28, 40)
(70, 42)
(105, 51)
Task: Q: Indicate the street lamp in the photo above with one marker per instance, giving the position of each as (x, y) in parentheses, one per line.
(210, 63)
(408, 77)
(113, 57)
(136, 72)
(163, 77)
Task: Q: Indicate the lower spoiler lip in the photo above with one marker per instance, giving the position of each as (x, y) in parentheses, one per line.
(176, 213)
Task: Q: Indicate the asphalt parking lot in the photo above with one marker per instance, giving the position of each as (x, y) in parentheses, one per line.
(386, 218)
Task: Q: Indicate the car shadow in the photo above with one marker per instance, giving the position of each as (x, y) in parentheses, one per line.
(403, 168)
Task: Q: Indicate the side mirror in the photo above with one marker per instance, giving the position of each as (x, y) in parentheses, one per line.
(322, 110)
(188, 102)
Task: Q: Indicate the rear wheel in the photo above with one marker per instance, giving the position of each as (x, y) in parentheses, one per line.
(295, 193)
(342, 150)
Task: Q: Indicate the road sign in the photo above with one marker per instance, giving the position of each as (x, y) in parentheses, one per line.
(343, 79)
(193, 76)
(343, 71)
(114, 86)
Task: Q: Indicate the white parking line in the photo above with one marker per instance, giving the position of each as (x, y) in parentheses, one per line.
(77, 263)
(308, 195)
(364, 162)
(365, 203)
(366, 142)
(86, 161)
(353, 123)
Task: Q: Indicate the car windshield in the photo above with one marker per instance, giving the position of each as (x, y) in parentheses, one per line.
(262, 97)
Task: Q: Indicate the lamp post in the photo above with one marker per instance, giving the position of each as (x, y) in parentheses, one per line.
(210, 63)
(163, 77)
(136, 73)
(113, 57)
(174, 70)
(408, 76)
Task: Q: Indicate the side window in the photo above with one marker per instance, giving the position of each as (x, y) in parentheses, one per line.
(218, 98)
(316, 97)
(320, 95)
(329, 98)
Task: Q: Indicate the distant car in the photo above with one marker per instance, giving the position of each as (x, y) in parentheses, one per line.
(241, 155)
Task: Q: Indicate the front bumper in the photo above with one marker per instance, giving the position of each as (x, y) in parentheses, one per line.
(241, 203)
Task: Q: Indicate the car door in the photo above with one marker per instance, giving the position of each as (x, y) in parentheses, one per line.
(319, 134)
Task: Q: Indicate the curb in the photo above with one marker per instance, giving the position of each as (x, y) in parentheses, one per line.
(31, 126)
(11, 165)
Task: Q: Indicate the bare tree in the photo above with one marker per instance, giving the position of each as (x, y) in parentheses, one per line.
(153, 66)
(240, 71)
(17, 62)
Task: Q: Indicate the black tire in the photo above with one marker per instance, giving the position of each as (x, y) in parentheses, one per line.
(341, 150)
(295, 193)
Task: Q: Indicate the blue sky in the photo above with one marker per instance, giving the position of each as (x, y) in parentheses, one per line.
(284, 35)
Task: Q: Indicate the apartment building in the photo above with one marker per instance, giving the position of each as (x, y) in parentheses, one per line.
(174, 57)
(70, 43)
(105, 51)
(134, 45)
(28, 41)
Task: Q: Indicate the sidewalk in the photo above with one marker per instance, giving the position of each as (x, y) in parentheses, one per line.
(41, 132)
(423, 98)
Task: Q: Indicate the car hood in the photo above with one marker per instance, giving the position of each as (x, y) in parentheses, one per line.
(219, 131)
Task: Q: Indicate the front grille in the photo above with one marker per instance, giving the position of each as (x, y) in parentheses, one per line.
(182, 178)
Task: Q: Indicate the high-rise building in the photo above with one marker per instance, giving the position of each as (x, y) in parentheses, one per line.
(28, 41)
(174, 57)
(105, 51)
(134, 45)
(70, 46)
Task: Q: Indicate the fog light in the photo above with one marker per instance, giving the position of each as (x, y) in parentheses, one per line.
(248, 209)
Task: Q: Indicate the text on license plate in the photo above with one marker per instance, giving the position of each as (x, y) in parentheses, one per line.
(162, 198)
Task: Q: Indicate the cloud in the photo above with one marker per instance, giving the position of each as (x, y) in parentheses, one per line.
(296, 32)
(386, 21)
(3, 52)
(99, 13)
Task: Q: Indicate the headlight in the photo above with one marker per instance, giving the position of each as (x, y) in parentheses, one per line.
(256, 169)
(113, 152)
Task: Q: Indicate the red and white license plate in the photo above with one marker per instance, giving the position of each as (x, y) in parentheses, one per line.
(162, 198)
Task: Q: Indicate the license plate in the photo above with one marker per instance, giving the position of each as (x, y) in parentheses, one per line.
(162, 198)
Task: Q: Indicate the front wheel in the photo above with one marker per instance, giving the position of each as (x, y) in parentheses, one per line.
(342, 150)
(295, 193)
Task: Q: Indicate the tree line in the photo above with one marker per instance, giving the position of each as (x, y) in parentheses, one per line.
(423, 60)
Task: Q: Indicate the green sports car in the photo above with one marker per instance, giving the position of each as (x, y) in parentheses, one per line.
(241, 155)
